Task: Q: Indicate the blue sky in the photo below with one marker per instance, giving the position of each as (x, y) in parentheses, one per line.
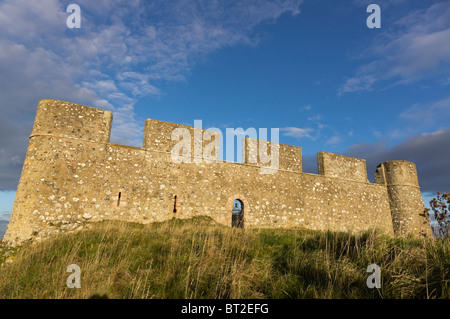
(311, 68)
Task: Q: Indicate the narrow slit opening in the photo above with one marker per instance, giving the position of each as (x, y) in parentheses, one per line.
(175, 204)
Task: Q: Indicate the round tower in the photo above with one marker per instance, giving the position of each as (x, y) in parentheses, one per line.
(405, 199)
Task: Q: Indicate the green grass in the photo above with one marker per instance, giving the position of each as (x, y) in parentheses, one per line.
(198, 258)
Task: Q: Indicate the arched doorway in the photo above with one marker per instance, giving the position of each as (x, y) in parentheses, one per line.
(237, 214)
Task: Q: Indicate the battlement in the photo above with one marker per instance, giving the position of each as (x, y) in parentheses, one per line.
(165, 136)
(340, 166)
(66, 119)
(72, 174)
(268, 154)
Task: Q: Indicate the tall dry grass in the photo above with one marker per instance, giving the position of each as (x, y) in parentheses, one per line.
(198, 258)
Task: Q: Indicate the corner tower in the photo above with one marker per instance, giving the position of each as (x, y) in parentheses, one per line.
(58, 128)
(405, 199)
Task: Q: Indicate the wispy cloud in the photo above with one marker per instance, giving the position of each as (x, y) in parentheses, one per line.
(315, 118)
(333, 140)
(313, 130)
(360, 82)
(305, 108)
(297, 132)
(435, 113)
(445, 81)
(429, 151)
(120, 54)
(420, 117)
(417, 49)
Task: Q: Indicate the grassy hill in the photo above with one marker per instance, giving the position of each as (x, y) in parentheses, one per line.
(198, 258)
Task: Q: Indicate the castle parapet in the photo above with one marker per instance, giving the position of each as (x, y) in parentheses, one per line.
(340, 166)
(66, 119)
(274, 155)
(194, 143)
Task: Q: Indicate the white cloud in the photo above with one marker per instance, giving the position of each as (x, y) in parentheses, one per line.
(416, 48)
(421, 117)
(315, 118)
(434, 113)
(306, 108)
(120, 54)
(333, 140)
(297, 132)
(377, 134)
(137, 84)
(361, 82)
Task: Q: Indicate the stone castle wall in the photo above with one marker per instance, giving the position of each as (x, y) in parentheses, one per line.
(72, 174)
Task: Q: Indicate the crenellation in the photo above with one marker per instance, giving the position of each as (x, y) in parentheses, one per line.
(191, 144)
(341, 166)
(63, 119)
(272, 155)
(74, 177)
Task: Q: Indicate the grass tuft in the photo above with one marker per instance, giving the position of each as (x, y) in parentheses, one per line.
(198, 258)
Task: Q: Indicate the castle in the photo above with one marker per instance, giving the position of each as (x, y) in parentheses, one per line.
(72, 174)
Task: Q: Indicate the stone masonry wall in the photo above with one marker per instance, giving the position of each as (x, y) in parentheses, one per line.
(70, 180)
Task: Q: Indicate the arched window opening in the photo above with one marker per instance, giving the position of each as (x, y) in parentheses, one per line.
(237, 214)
